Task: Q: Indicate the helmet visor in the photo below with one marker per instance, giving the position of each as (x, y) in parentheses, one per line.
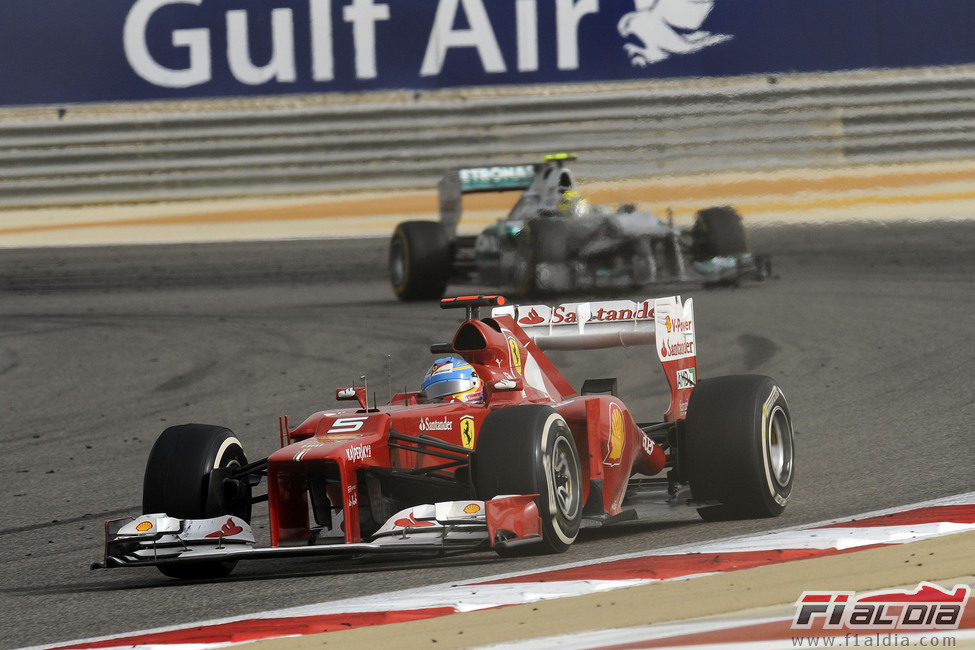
(449, 387)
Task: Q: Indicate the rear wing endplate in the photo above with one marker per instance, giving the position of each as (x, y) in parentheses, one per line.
(498, 178)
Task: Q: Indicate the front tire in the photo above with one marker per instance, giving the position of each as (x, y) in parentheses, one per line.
(643, 264)
(177, 482)
(739, 447)
(420, 259)
(529, 449)
(541, 246)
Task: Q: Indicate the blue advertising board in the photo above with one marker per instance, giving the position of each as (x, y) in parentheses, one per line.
(72, 51)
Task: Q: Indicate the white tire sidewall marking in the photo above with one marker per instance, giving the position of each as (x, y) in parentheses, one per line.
(224, 446)
(768, 410)
(547, 467)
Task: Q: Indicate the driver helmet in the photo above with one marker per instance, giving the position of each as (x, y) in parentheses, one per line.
(450, 379)
(573, 205)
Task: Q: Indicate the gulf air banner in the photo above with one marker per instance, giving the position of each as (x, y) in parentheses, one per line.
(71, 51)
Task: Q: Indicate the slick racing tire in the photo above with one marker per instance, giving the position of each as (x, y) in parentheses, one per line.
(420, 259)
(529, 449)
(540, 242)
(177, 482)
(643, 264)
(739, 447)
(718, 232)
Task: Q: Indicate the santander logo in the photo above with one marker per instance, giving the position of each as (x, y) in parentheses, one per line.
(430, 424)
(680, 349)
(412, 522)
(532, 318)
(611, 311)
(228, 529)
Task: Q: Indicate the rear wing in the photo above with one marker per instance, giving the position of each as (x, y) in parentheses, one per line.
(497, 178)
(665, 323)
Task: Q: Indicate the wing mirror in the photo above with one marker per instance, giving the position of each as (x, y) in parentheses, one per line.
(516, 384)
(357, 393)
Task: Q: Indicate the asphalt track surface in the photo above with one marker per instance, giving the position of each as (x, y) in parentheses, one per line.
(868, 329)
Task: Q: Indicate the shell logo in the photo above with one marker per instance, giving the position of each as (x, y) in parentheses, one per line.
(144, 526)
(617, 436)
(472, 508)
(515, 355)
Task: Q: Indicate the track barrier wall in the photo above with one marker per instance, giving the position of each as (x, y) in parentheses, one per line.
(175, 99)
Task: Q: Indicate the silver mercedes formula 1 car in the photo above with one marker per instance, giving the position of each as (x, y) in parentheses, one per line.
(555, 241)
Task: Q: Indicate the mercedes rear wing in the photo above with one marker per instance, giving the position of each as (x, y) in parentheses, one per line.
(496, 178)
(665, 323)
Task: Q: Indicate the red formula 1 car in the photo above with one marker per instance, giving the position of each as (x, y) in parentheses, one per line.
(523, 468)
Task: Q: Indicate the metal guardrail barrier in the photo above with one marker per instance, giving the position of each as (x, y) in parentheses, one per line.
(405, 141)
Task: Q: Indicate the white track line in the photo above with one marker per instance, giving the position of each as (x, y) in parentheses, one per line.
(474, 594)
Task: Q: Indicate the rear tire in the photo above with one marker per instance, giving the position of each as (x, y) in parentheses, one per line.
(177, 482)
(739, 447)
(541, 241)
(718, 232)
(420, 259)
(643, 265)
(529, 449)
